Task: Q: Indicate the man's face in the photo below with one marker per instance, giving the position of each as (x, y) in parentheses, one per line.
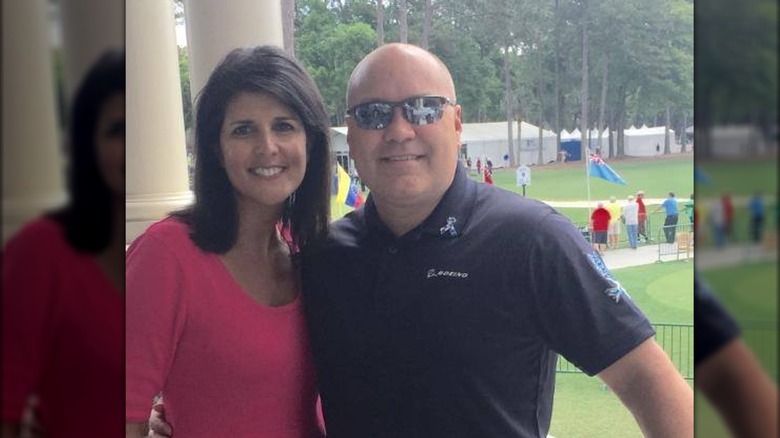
(405, 164)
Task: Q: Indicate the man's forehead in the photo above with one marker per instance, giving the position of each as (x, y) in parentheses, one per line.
(396, 84)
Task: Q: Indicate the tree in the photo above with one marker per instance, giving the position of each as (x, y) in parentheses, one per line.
(403, 10)
(288, 25)
(380, 22)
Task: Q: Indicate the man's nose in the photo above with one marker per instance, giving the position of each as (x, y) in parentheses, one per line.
(399, 130)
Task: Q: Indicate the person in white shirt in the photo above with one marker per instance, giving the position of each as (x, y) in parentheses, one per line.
(630, 214)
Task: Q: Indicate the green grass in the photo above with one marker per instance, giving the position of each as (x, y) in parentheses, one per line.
(741, 178)
(749, 292)
(567, 182)
(583, 406)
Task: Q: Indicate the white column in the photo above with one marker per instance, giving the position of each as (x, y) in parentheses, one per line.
(89, 27)
(156, 181)
(33, 179)
(214, 28)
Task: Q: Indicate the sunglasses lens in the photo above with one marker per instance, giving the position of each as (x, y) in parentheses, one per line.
(424, 110)
(374, 115)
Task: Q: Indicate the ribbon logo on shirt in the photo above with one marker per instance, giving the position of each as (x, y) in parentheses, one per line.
(615, 291)
(450, 227)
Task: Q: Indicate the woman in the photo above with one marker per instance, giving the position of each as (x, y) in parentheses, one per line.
(214, 318)
(63, 279)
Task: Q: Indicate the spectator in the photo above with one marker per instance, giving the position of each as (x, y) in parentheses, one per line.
(670, 222)
(489, 173)
(756, 209)
(641, 229)
(599, 224)
(728, 214)
(613, 233)
(717, 220)
(690, 211)
(631, 217)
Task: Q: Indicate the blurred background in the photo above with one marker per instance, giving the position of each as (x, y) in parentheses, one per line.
(735, 149)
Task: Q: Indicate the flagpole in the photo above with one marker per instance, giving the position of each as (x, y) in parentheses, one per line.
(587, 176)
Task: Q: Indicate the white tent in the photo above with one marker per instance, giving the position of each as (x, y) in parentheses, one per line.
(489, 141)
(648, 142)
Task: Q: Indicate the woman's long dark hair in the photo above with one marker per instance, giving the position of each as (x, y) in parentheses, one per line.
(88, 219)
(265, 69)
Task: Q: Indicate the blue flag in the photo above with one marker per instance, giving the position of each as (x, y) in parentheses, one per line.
(598, 168)
(700, 177)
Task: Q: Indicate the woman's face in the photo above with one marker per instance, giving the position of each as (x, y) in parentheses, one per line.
(110, 143)
(263, 145)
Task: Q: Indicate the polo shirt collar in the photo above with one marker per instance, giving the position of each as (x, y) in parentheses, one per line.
(447, 220)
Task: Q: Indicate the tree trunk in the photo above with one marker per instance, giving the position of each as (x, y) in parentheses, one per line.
(684, 135)
(509, 108)
(584, 91)
(427, 18)
(603, 102)
(288, 26)
(557, 82)
(519, 135)
(667, 146)
(380, 22)
(540, 95)
(403, 32)
(621, 121)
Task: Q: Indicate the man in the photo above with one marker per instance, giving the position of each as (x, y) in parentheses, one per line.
(415, 334)
(631, 217)
(728, 214)
(756, 208)
(613, 232)
(641, 229)
(670, 222)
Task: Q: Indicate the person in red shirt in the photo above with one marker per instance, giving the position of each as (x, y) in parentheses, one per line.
(728, 214)
(489, 173)
(642, 232)
(599, 224)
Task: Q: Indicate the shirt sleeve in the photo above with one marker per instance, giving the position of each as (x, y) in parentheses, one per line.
(29, 317)
(155, 317)
(715, 327)
(582, 310)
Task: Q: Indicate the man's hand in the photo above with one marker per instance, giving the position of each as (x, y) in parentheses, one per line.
(158, 428)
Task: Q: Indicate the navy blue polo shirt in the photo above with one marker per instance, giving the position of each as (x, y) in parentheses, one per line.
(453, 329)
(715, 327)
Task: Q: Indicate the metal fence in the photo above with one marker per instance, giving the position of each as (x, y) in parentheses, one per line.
(675, 242)
(653, 229)
(677, 342)
(675, 339)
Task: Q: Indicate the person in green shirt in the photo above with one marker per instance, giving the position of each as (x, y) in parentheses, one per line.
(689, 211)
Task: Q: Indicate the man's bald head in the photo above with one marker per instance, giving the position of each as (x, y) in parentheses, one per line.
(420, 60)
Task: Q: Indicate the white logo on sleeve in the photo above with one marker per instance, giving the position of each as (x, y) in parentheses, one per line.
(615, 290)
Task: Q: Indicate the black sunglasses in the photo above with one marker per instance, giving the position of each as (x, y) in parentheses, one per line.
(419, 110)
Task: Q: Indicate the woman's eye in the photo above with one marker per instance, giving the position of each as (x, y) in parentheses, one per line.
(284, 126)
(242, 130)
